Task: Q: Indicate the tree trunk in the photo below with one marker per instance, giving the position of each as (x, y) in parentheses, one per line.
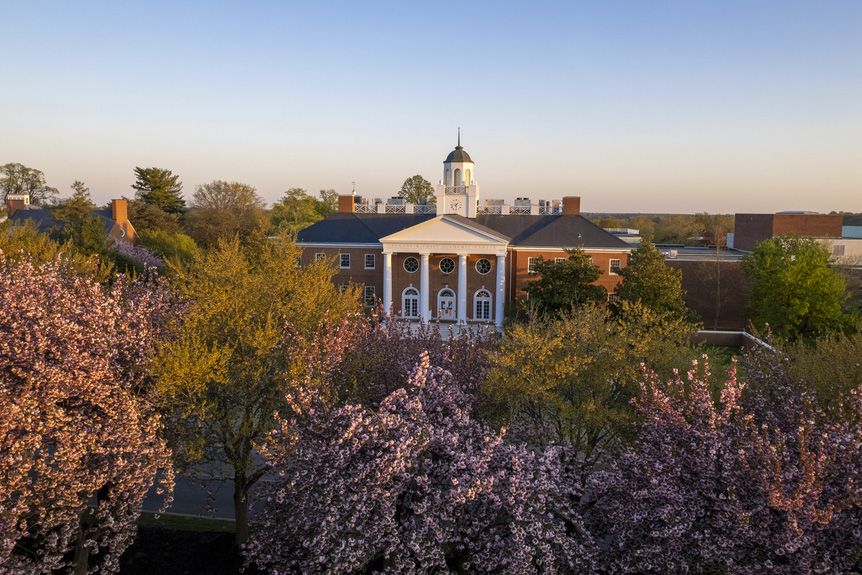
(82, 555)
(240, 508)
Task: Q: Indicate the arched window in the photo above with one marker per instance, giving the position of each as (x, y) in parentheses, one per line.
(467, 177)
(448, 181)
(482, 305)
(446, 304)
(457, 177)
(410, 302)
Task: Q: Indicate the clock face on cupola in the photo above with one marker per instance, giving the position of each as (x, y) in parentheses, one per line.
(457, 192)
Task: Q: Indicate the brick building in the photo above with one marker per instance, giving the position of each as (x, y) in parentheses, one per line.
(750, 229)
(458, 260)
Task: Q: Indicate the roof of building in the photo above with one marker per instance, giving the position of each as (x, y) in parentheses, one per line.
(522, 231)
(458, 155)
(44, 218)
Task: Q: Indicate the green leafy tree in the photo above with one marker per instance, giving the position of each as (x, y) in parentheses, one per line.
(328, 203)
(76, 207)
(19, 179)
(295, 210)
(169, 246)
(570, 379)
(608, 223)
(89, 236)
(146, 216)
(793, 289)
(239, 352)
(224, 210)
(416, 189)
(564, 285)
(646, 279)
(677, 229)
(22, 241)
(643, 224)
(160, 188)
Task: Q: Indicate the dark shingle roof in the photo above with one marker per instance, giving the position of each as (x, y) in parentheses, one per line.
(524, 231)
(347, 228)
(44, 219)
(458, 155)
(548, 231)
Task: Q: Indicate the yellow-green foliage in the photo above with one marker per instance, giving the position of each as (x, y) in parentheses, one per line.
(228, 369)
(831, 367)
(571, 379)
(22, 241)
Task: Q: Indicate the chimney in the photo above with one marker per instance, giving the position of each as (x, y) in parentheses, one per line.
(123, 229)
(345, 204)
(572, 205)
(13, 206)
(120, 210)
(15, 202)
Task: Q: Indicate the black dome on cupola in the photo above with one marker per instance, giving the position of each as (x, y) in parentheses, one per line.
(458, 155)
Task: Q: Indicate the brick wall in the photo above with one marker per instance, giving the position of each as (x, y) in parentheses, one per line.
(748, 229)
(715, 288)
(811, 225)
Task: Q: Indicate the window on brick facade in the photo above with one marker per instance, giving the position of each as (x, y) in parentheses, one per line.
(345, 261)
(369, 296)
(319, 256)
(531, 264)
(369, 261)
(615, 267)
(482, 305)
(561, 260)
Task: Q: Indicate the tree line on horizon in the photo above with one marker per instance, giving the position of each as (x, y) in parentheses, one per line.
(217, 211)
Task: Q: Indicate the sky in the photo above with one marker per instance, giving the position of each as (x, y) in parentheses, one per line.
(659, 107)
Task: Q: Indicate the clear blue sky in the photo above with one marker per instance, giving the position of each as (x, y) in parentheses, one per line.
(664, 106)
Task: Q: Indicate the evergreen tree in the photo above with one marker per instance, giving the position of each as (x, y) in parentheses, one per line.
(159, 188)
(648, 280)
(564, 285)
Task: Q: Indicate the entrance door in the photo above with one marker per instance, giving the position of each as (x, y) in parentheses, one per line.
(446, 304)
(410, 303)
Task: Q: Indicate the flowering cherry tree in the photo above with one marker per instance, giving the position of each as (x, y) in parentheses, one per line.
(387, 351)
(760, 483)
(79, 441)
(414, 486)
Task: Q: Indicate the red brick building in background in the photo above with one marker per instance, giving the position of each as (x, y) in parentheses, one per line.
(750, 229)
(458, 260)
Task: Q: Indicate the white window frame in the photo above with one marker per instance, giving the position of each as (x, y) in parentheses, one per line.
(372, 259)
(531, 264)
(370, 296)
(486, 302)
(342, 260)
(404, 297)
(561, 260)
(613, 298)
(319, 256)
(618, 267)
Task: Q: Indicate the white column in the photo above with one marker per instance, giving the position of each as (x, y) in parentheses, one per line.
(462, 288)
(424, 288)
(501, 290)
(387, 283)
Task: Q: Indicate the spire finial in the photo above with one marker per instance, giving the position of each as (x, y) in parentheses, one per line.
(459, 136)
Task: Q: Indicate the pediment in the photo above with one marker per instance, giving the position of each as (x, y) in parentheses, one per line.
(446, 233)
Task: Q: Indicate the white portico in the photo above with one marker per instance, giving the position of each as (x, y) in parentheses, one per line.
(480, 270)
